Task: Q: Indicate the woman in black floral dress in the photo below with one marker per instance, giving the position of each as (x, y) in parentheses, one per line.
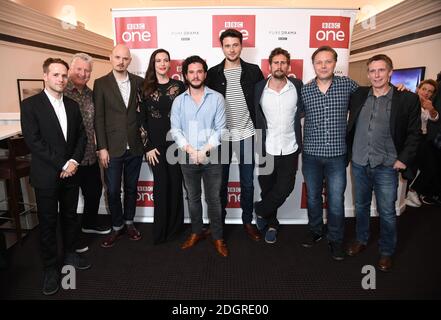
(158, 93)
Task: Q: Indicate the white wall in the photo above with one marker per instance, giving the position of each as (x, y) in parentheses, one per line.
(25, 62)
(421, 52)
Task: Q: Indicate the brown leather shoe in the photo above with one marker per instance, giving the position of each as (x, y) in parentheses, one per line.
(252, 232)
(385, 263)
(221, 247)
(110, 240)
(192, 239)
(355, 249)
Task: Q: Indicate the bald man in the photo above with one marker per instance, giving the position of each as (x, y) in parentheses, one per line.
(119, 144)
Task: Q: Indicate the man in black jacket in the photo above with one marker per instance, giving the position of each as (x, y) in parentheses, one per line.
(53, 129)
(383, 136)
(279, 107)
(235, 80)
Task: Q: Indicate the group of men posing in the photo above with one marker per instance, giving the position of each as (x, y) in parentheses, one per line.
(380, 139)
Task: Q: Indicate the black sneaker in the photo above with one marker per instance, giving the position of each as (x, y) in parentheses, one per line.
(77, 261)
(311, 239)
(337, 251)
(96, 230)
(51, 282)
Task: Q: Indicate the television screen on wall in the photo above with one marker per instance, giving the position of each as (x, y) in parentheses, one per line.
(410, 77)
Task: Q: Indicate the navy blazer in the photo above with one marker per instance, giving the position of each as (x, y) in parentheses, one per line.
(44, 137)
(261, 120)
(405, 123)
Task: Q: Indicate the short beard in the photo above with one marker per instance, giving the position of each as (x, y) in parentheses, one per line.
(279, 76)
(198, 86)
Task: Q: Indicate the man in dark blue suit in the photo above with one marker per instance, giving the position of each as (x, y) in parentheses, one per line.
(279, 107)
(53, 129)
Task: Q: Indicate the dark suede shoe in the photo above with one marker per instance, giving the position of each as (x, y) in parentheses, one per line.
(311, 239)
(51, 282)
(337, 252)
(77, 261)
(385, 263)
(355, 248)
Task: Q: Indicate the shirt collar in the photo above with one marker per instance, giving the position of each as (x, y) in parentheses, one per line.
(388, 95)
(52, 99)
(288, 86)
(122, 81)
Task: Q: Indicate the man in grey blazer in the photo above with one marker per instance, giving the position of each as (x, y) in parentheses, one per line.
(118, 141)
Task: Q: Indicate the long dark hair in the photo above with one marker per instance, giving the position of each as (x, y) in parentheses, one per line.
(151, 81)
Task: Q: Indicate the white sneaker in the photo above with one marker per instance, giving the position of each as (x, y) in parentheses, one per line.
(413, 199)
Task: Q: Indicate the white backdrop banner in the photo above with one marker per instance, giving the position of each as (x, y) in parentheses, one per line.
(195, 31)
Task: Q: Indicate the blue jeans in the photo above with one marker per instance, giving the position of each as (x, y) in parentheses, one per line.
(384, 182)
(244, 151)
(130, 165)
(211, 174)
(333, 170)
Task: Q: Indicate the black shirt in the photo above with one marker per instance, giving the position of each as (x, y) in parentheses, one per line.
(155, 111)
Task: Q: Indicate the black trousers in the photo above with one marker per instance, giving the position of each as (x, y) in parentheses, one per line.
(428, 182)
(91, 188)
(168, 199)
(276, 187)
(64, 195)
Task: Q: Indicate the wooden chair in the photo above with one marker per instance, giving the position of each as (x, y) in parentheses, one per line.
(16, 166)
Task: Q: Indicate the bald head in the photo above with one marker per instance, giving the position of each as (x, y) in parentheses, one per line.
(120, 58)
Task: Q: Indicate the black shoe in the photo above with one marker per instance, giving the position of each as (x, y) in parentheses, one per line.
(51, 282)
(337, 252)
(96, 229)
(77, 261)
(311, 239)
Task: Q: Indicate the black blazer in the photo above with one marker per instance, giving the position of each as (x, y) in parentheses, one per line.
(405, 123)
(115, 125)
(251, 74)
(44, 137)
(261, 120)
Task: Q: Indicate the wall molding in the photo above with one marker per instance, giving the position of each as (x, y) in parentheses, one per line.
(30, 27)
(405, 21)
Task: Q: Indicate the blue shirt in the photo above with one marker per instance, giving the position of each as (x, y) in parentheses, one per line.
(198, 125)
(326, 117)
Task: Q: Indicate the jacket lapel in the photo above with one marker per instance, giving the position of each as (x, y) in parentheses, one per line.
(115, 89)
(394, 110)
(133, 90)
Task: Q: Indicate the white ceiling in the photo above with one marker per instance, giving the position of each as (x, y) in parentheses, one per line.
(96, 14)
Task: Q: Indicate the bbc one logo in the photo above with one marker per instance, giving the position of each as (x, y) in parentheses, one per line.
(233, 194)
(329, 31)
(136, 32)
(296, 70)
(176, 70)
(244, 24)
(144, 197)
